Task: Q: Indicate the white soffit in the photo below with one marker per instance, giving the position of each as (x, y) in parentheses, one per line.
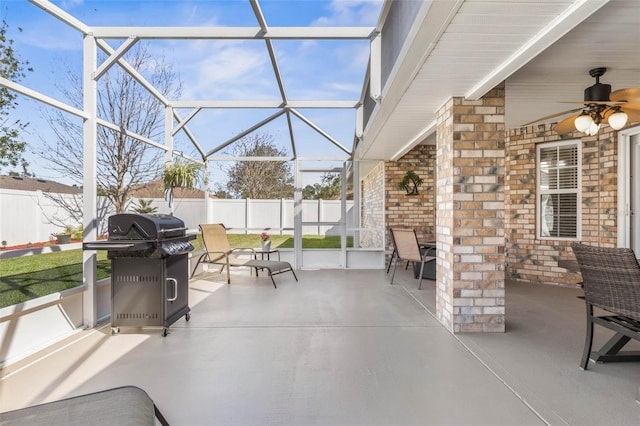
(485, 41)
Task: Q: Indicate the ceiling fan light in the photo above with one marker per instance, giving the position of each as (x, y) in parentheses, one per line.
(618, 119)
(582, 122)
(593, 128)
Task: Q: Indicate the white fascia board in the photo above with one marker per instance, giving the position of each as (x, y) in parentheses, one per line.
(42, 98)
(263, 104)
(552, 32)
(237, 33)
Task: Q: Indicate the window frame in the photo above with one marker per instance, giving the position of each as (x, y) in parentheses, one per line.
(577, 190)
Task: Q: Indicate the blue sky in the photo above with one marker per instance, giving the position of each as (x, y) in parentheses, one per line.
(211, 69)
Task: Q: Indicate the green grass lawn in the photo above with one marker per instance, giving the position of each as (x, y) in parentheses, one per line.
(28, 277)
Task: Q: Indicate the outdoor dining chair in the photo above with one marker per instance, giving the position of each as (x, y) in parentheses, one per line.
(611, 281)
(406, 247)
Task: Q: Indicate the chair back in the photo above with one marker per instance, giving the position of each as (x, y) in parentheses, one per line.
(406, 243)
(611, 278)
(214, 238)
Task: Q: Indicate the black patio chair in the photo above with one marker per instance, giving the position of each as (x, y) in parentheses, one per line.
(611, 281)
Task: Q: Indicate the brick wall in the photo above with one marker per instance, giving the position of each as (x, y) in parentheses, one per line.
(372, 207)
(528, 258)
(470, 215)
(413, 211)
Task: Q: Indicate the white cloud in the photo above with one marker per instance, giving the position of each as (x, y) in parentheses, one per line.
(351, 13)
(70, 4)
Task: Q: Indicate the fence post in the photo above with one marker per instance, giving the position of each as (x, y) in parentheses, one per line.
(247, 214)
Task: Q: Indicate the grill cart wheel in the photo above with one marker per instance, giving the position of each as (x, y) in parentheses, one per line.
(187, 316)
(115, 330)
(165, 332)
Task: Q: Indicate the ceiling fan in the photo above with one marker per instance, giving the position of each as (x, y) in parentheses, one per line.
(600, 106)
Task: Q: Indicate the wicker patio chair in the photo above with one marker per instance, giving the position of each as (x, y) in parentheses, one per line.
(127, 405)
(406, 247)
(611, 281)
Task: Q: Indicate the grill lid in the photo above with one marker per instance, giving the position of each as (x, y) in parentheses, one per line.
(138, 226)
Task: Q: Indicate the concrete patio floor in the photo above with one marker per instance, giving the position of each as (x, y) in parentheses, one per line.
(343, 348)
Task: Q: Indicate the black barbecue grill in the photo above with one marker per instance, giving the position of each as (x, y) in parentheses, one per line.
(149, 270)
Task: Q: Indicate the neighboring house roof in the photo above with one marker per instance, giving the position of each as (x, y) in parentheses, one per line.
(155, 189)
(31, 184)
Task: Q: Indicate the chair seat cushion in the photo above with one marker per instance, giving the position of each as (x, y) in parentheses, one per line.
(271, 265)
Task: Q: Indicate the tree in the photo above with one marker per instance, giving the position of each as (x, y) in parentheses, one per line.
(122, 162)
(327, 189)
(11, 68)
(144, 206)
(259, 179)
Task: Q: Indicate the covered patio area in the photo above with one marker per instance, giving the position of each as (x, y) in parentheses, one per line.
(343, 347)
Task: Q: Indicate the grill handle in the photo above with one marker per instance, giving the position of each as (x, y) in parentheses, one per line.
(162, 231)
(108, 246)
(175, 289)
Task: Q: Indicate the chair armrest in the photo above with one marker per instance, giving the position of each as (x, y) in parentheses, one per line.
(252, 250)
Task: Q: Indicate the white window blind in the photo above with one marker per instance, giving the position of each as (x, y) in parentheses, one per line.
(558, 197)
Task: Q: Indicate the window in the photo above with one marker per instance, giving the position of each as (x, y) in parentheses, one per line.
(558, 197)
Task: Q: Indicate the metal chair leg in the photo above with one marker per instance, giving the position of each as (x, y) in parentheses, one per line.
(421, 269)
(588, 340)
(395, 265)
(393, 254)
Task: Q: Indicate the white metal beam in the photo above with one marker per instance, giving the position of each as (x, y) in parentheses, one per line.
(114, 57)
(134, 73)
(259, 16)
(42, 98)
(236, 33)
(234, 158)
(89, 181)
(292, 137)
(246, 132)
(61, 15)
(259, 104)
(190, 135)
(319, 130)
(130, 134)
(183, 122)
(276, 71)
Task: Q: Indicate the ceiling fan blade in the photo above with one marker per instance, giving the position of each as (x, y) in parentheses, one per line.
(631, 95)
(630, 105)
(611, 102)
(552, 116)
(566, 126)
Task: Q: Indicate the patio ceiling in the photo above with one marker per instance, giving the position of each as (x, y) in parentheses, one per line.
(543, 50)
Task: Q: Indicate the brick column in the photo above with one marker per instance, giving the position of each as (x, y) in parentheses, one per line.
(470, 214)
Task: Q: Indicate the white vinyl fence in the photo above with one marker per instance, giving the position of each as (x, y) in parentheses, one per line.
(31, 216)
